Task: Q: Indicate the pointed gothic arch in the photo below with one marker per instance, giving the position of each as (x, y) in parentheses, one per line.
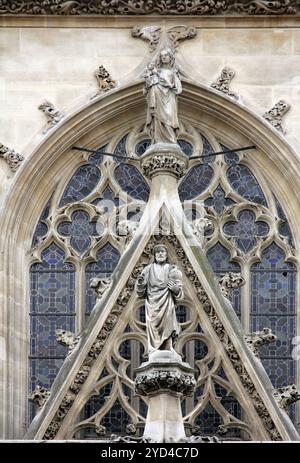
(50, 157)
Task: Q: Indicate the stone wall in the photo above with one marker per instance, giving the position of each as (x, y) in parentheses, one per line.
(56, 58)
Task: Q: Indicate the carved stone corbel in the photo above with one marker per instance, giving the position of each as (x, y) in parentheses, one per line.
(40, 396)
(54, 116)
(230, 281)
(259, 338)
(100, 285)
(222, 84)
(12, 158)
(104, 80)
(286, 396)
(67, 339)
(274, 115)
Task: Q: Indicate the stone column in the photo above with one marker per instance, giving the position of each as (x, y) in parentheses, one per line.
(165, 380)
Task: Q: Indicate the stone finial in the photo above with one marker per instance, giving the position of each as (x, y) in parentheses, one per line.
(12, 158)
(200, 226)
(222, 84)
(104, 80)
(274, 115)
(54, 116)
(40, 396)
(67, 339)
(286, 396)
(229, 281)
(259, 338)
(100, 285)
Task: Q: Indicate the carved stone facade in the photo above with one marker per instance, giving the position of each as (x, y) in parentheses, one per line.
(138, 7)
(230, 281)
(40, 396)
(67, 339)
(104, 80)
(165, 380)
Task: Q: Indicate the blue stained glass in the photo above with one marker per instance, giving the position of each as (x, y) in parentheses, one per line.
(195, 182)
(186, 147)
(245, 230)
(121, 149)
(41, 228)
(107, 259)
(43, 338)
(95, 403)
(96, 158)
(131, 181)
(283, 326)
(81, 184)
(245, 184)
(142, 146)
(273, 305)
(219, 258)
(79, 230)
(207, 149)
(116, 419)
(52, 290)
(218, 200)
(230, 158)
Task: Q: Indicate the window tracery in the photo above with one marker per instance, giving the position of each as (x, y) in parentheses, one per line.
(80, 240)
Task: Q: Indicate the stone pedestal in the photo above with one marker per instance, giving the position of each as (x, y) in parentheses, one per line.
(164, 379)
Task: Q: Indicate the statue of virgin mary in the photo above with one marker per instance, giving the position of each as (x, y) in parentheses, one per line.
(162, 85)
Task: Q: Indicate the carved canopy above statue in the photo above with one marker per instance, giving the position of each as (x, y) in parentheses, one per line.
(143, 7)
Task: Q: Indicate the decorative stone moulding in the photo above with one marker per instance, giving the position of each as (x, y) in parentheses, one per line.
(274, 115)
(222, 84)
(230, 281)
(54, 116)
(171, 36)
(144, 7)
(259, 338)
(105, 82)
(286, 396)
(10, 156)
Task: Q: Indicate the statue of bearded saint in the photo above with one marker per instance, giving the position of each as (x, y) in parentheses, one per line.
(162, 85)
(160, 283)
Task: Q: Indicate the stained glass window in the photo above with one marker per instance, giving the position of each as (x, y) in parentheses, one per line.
(195, 182)
(80, 229)
(132, 181)
(52, 289)
(218, 200)
(273, 305)
(81, 184)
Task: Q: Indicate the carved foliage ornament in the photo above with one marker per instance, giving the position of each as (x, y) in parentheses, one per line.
(12, 158)
(223, 82)
(286, 396)
(138, 7)
(105, 82)
(148, 383)
(112, 320)
(274, 115)
(166, 162)
(54, 116)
